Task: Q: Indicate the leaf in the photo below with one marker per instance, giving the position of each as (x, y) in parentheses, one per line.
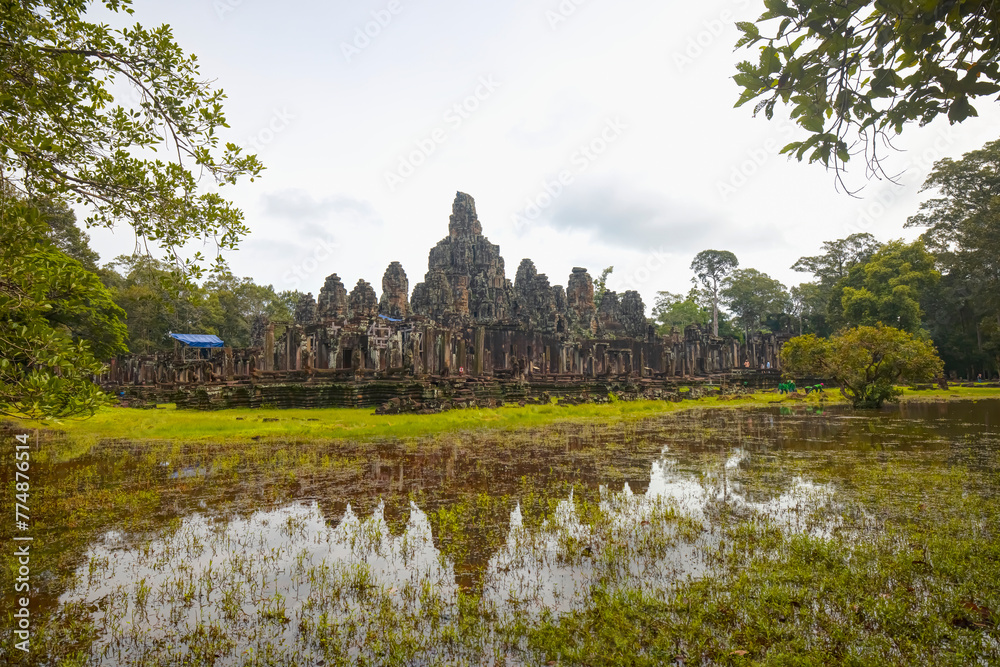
(738, 652)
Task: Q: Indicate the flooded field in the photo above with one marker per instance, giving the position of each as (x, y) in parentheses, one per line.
(784, 535)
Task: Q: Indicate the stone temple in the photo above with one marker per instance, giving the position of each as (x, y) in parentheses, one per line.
(466, 335)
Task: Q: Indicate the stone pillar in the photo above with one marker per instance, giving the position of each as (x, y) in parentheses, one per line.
(480, 343)
(415, 352)
(463, 361)
(227, 364)
(269, 348)
(429, 342)
(446, 352)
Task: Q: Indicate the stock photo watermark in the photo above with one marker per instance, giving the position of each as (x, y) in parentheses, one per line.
(563, 12)
(223, 7)
(454, 117)
(322, 252)
(579, 162)
(21, 563)
(889, 194)
(656, 260)
(707, 35)
(754, 161)
(365, 34)
(278, 123)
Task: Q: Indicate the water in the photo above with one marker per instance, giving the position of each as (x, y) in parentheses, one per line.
(528, 523)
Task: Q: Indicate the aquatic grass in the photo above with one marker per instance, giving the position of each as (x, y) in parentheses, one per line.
(802, 555)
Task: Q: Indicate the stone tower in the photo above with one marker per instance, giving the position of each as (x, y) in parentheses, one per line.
(580, 301)
(362, 302)
(395, 292)
(465, 273)
(332, 299)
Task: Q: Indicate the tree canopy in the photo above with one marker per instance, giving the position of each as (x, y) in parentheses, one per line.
(675, 311)
(67, 138)
(839, 257)
(888, 288)
(752, 295)
(963, 221)
(600, 285)
(854, 73)
(866, 362)
(808, 303)
(711, 267)
(157, 301)
(57, 321)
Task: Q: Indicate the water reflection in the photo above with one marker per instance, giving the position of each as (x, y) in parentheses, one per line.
(266, 577)
(214, 589)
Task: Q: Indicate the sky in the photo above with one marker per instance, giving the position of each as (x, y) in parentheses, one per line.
(591, 133)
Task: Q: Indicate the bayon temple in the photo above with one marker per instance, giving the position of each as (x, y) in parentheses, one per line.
(466, 335)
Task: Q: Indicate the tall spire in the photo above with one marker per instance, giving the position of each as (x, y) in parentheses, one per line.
(464, 222)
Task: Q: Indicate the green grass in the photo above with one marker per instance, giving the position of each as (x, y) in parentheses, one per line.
(918, 588)
(168, 423)
(909, 578)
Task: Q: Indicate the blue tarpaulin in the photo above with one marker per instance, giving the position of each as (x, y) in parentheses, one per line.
(198, 340)
(391, 319)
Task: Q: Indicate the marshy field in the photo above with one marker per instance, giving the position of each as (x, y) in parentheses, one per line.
(755, 531)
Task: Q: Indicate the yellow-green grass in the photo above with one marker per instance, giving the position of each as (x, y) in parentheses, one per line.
(167, 423)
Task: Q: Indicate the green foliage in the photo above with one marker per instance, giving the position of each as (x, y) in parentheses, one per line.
(600, 286)
(963, 230)
(839, 257)
(808, 304)
(888, 288)
(856, 72)
(711, 267)
(752, 296)
(56, 321)
(675, 311)
(65, 235)
(812, 301)
(233, 303)
(157, 301)
(867, 362)
(67, 138)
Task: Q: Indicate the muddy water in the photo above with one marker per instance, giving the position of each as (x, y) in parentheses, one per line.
(530, 522)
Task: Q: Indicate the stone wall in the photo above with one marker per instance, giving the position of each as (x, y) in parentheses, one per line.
(465, 319)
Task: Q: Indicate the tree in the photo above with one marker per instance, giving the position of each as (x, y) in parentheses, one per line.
(751, 296)
(888, 288)
(66, 235)
(808, 302)
(156, 301)
(675, 311)
(962, 225)
(233, 303)
(56, 322)
(67, 138)
(711, 267)
(867, 362)
(600, 285)
(839, 257)
(856, 72)
(954, 318)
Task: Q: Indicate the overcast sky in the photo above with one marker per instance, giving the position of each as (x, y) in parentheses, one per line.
(590, 133)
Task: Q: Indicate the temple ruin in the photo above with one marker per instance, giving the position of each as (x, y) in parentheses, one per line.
(466, 335)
